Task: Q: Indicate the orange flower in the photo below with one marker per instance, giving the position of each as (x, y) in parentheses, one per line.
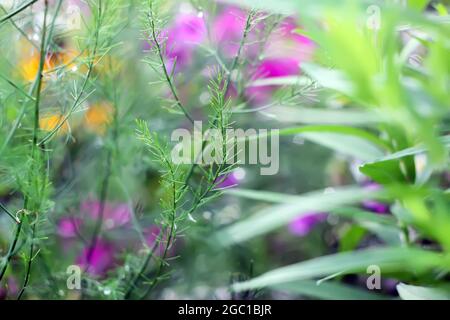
(29, 66)
(98, 116)
(50, 122)
(68, 59)
(29, 63)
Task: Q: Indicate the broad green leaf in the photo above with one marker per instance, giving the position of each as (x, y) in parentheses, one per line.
(418, 5)
(383, 172)
(389, 259)
(276, 216)
(361, 215)
(408, 292)
(323, 116)
(374, 141)
(335, 129)
(346, 144)
(350, 237)
(328, 290)
(329, 78)
(445, 140)
(390, 235)
(280, 81)
(266, 196)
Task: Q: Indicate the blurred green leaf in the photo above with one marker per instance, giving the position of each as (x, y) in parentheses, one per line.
(276, 216)
(324, 116)
(408, 292)
(329, 78)
(366, 138)
(280, 81)
(346, 144)
(419, 5)
(389, 259)
(328, 290)
(383, 172)
(351, 237)
(361, 215)
(445, 140)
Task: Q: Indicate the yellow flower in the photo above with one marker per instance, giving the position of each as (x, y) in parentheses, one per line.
(98, 116)
(50, 122)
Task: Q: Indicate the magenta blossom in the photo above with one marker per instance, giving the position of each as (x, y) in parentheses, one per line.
(231, 179)
(114, 215)
(69, 227)
(98, 259)
(181, 39)
(302, 225)
(271, 68)
(187, 32)
(285, 51)
(228, 28)
(289, 29)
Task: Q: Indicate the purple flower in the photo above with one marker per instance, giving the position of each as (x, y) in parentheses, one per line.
(68, 227)
(9, 288)
(97, 260)
(373, 205)
(231, 180)
(151, 234)
(376, 207)
(302, 225)
(114, 215)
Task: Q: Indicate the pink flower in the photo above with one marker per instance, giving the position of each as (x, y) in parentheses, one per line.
(68, 227)
(302, 225)
(289, 29)
(228, 29)
(284, 54)
(181, 39)
(81, 5)
(114, 215)
(151, 234)
(97, 260)
(188, 29)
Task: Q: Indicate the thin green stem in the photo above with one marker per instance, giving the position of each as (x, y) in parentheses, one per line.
(29, 262)
(17, 11)
(19, 89)
(12, 216)
(11, 250)
(23, 33)
(85, 81)
(101, 210)
(226, 85)
(164, 67)
(42, 57)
